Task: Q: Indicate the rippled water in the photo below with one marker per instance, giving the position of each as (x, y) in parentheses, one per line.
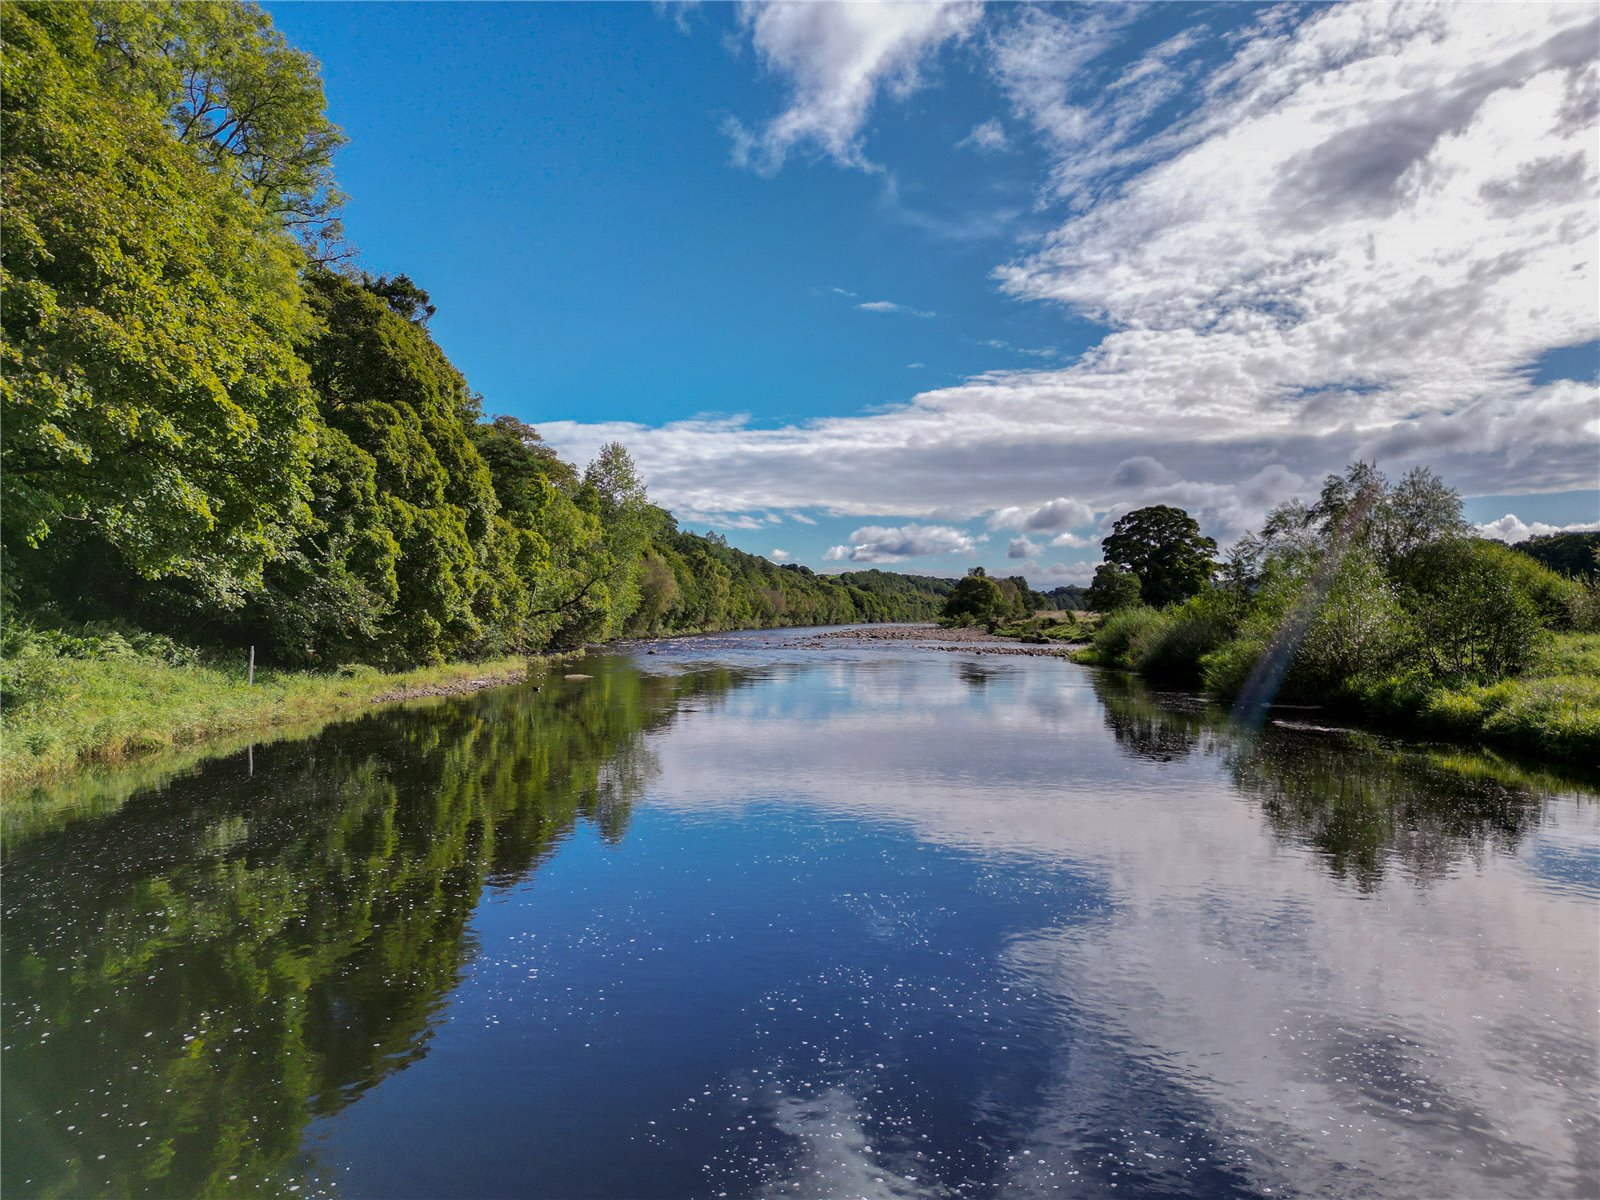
(747, 919)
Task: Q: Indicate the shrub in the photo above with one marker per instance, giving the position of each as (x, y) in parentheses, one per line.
(1125, 636)
(1472, 619)
(1552, 595)
(1223, 671)
(1193, 630)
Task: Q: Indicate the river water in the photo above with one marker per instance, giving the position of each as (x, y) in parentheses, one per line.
(742, 918)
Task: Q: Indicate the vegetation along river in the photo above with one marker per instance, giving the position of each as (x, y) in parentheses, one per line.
(752, 917)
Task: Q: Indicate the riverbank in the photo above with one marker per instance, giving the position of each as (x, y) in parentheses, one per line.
(954, 639)
(1550, 712)
(75, 712)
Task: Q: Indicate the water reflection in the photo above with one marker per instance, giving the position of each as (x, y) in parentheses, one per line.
(1363, 804)
(760, 923)
(193, 978)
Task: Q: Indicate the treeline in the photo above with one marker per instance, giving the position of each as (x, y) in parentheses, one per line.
(217, 429)
(1374, 597)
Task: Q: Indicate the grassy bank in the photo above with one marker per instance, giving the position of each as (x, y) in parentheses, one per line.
(65, 712)
(1550, 709)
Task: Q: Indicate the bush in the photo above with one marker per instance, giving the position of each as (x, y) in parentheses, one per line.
(1473, 620)
(1552, 595)
(1124, 637)
(1224, 671)
(1193, 630)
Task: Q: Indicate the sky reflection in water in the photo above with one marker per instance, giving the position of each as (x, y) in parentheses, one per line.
(765, 921)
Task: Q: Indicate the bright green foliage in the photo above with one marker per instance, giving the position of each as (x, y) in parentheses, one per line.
(382, 382)
(1164, 548)
(977, 600)
(1125, 637)
(1111, 589)
(693, 584)
(151, 391)
(1473, 621)
(249, 103)
(1375, 598)
(328, 598)
(1554, 597)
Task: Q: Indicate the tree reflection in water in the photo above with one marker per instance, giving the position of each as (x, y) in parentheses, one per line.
(1362, 804)
(194, 977)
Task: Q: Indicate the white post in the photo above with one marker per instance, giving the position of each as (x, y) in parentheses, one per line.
(252, 666)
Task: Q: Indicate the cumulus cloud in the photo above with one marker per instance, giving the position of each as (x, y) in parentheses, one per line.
(1074, 541)
(778, 555)
(1050, 517)
(1512, 528)
(835, 59)
(889, 306)
(879, 544)
(1021, 548)
(1360, 230)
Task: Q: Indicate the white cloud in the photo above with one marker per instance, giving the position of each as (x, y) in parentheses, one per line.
(1074, 541)
(1021, 548)
(1512, 528)
(988, 138)
(881, 544)
(889, 306)
(1050, 517)
(778, 555)
(834, 60)
(1364, 228)
(801, 518)
(915, 366)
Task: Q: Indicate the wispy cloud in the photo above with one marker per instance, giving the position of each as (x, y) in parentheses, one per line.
(1361, 230)
(988, 138)
(889, 306)
(835, 59)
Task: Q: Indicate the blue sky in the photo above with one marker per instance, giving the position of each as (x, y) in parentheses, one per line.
(1080, 239)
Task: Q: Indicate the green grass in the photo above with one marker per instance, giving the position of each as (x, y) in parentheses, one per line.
(1552, 709)
(79, 711)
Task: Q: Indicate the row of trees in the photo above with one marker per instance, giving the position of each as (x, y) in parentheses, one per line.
(980, 599)
(216, 428)
(1371, 585)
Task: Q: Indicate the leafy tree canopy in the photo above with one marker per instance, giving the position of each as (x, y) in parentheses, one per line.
(1111, 589)
(151, 390)
(1164, 548)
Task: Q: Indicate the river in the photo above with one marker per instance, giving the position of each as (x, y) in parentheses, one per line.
(747, 917)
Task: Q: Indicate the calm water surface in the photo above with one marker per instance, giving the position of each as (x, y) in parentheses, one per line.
(746, 919)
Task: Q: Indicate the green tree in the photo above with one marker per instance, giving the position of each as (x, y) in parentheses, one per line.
(1111, 589)
(1164, 548)
(382, 382)
(151, 390)
(234, 90)
(977, 599)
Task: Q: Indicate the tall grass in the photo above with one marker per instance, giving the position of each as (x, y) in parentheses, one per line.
(112, 700)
